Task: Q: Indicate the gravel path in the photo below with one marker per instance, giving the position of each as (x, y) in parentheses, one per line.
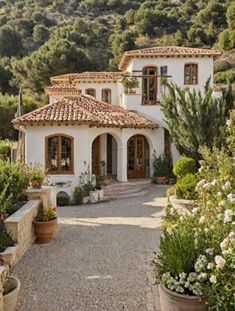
(98, 260)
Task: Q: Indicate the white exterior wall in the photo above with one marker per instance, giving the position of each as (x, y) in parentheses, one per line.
(99, 87)
(83, 138)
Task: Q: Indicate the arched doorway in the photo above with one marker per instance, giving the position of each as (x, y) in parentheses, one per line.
(104, 155)
(137, 157)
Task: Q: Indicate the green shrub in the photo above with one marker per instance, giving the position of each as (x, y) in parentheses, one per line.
(184, 166)
(78, 196)
(5, 149)
(5, 238)
(46, 214)
(162, 166)
(14, 178)
(87, 188)
(185, 187)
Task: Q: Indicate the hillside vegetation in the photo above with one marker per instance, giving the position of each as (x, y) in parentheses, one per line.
(42, 38)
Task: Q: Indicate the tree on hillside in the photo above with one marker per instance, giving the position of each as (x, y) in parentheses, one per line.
(122, 42)
(53, 58)
(196, 119)
(10, 41)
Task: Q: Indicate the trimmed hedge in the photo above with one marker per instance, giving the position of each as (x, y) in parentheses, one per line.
(184, 166)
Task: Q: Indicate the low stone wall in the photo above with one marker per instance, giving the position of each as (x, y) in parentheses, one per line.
(20, 226)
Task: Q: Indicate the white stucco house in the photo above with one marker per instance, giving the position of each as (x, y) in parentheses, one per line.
(92, 118)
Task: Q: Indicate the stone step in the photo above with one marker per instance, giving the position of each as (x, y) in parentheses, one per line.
(128, 189)
(128, 195)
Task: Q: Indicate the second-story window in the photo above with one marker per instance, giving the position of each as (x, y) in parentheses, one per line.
(149, 86)
(191, 74)
(106, 96)
(91, 92)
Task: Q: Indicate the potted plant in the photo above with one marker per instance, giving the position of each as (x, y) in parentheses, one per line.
(162, 168)
(130, 84)
(180, 283)
(11, 288)
(37, 176)
(45, 224)
(78, 196)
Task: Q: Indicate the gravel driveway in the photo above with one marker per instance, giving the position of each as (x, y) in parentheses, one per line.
(98, 260)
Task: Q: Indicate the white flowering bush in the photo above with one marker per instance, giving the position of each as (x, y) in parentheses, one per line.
(197, 251)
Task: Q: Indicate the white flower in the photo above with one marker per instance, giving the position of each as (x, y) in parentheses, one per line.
(229, 122)
(230, 196)
(232, 235)
(200, 169)
(222, 203)
(206, 230)
(200, 183)
(210, 265)
(207, 186)
(195, 210)
(228, 214)
(202, 219)
(213, 279)
(214, 182)
(219, 194)
(227, 185)
(224, 244)
(210, 251)
(220, 262)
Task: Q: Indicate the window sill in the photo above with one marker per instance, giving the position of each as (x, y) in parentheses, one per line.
(189, 84)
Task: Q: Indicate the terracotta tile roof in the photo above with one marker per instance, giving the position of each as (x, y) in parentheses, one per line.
(165, 51)
(62, 89)
(87, 76)
(85, 109)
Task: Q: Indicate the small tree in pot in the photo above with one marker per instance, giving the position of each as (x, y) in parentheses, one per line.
(45, 224)
(37, 176)
(162, 168)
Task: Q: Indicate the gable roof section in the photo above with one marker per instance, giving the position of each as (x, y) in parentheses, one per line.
(84, 109)
(102, 76)
(168, 51)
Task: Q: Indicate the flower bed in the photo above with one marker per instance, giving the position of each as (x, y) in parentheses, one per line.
(197, 251)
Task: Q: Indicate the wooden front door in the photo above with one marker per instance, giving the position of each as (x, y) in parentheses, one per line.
(136, 157)
(96, 156)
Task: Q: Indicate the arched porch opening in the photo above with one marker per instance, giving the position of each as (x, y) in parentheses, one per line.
(105, 156)
(138, 157)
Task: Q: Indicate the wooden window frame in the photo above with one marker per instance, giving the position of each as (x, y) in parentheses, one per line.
(147, 102)
(105, 90)
(58, 171)
(93, 90)
(191, 65)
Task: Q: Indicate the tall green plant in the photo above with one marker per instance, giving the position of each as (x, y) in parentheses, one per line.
(196, 118)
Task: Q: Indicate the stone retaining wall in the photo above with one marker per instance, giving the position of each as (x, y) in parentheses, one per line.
(20, 226)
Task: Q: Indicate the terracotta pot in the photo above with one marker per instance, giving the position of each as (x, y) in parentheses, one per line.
(45, 231)
(161, 180)
(10, 299)
(171, 301)
(36, 184)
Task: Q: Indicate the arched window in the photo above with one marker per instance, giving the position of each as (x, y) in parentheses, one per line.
(91, 92)
(149, 86)
(106, 96)
(59, 154)
(190, 74)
